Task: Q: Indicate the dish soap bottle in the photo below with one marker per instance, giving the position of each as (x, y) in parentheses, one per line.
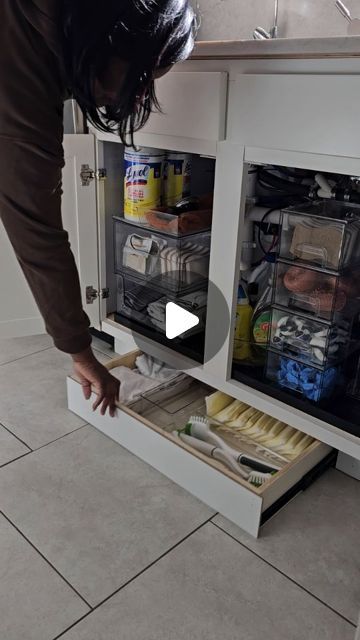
(243, 327)
(262, 313)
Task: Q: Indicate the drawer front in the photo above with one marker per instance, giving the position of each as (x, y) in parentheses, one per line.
(206, 479)
(193, 106)
(310, 113)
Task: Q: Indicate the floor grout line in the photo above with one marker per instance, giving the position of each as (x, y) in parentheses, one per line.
(126, 584)
(24, 455)
(46, 560)
(15, 436)
(340, 615)
(43, 446)
(27, 355)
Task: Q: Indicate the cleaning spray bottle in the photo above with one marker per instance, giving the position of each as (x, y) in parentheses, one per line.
(243, 326)
(261, 320)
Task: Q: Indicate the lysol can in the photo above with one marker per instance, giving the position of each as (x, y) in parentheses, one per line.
(177, 178)
(143, 182)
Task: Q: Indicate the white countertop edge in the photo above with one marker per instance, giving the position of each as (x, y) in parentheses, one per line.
(334, 47)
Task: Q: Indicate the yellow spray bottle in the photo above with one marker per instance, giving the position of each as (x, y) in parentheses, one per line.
(243, 332)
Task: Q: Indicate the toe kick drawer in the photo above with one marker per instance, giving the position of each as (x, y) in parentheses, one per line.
(145, 428)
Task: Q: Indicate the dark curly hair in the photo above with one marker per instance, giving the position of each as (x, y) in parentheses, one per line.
(149, 35)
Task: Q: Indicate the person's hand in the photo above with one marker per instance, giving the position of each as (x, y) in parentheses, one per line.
(93, 376)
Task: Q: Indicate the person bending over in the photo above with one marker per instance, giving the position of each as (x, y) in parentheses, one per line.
(107, 56)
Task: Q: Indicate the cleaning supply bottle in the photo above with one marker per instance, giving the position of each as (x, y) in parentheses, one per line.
(243, 326)
(261, 320)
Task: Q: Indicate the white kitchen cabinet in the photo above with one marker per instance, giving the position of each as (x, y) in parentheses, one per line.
(252, 119)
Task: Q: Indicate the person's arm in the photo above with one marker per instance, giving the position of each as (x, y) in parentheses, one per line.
(30, 209)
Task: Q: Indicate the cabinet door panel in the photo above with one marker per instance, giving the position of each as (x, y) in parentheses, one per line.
(298, 112)
(79, 213)
(193, 106)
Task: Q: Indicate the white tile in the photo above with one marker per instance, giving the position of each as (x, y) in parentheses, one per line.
(10, 447)
(15, 348)
(315, 541)
(33, 403)
(35, 603)
(99, 514)
(237, 19)
(211, 588)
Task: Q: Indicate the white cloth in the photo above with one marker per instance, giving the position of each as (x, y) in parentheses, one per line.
(154, 368)
(133, 383)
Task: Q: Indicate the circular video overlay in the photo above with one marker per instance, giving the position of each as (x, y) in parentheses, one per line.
(176, 320)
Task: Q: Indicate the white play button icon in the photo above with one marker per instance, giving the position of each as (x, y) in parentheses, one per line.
(178, 320)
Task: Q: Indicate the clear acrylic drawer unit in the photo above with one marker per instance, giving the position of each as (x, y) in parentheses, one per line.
(309, 340)
(171, 263)
(324, 233)
(322, 294)
(314, 384)
(179, 224)
(147, 305)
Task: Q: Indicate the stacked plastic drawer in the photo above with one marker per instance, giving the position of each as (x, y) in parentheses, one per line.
(315, 299)
(154, 268)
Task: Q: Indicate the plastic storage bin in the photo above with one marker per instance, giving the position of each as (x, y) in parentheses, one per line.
(183, 394)
(309, 340)
(164, 219)
(147, 305)
(324, 233)
(320, 293)
(308, 382)
(173, 264)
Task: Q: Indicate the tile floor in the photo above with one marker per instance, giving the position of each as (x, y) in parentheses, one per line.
(96, 545)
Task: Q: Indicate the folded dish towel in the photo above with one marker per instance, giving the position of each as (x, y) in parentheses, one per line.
(154, 368)
(138, 297)
(195, 301)
(133, 383)
(157, 311)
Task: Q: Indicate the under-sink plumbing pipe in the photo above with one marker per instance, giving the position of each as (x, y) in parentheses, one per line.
(325, 190)
(255, 214)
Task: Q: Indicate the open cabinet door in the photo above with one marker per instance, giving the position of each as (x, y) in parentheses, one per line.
(79, 213)
(19, 315)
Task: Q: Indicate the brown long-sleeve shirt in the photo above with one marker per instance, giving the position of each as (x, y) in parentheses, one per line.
(32, 91)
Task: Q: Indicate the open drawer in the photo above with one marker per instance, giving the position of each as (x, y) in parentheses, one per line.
(146, 429)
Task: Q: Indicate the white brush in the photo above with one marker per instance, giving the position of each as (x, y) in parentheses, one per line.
(256, 478)
(213, 452)
(199, 427)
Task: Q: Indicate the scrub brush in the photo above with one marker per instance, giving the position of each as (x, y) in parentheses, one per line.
(255, 478)
(199, 427)
(258, 479)
(212, 452)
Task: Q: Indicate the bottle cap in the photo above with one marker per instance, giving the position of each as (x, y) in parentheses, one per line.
(242, 297)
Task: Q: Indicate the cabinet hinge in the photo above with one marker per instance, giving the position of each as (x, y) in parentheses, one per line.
(93, 294)
(87, 175)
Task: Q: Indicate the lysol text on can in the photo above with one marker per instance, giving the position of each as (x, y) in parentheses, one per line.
(142, 182)
(177, 178)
